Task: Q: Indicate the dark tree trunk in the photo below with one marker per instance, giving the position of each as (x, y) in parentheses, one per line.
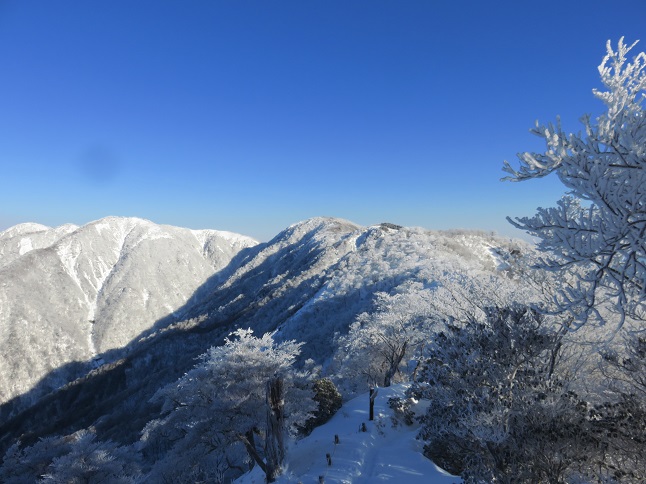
(396, 357)
(373, 395)
(275, 441)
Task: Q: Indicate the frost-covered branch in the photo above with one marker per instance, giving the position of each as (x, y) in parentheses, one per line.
(597, 232)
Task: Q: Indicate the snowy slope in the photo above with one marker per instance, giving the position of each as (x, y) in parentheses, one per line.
(386, 452)
(20, 239)
(70, 293)
(313, 279)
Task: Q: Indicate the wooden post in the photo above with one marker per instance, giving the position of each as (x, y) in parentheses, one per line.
(329, 459)
(373, 394)
(321, 479)
(336, 439)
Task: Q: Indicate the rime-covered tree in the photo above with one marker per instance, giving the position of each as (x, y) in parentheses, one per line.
(597, 233)
(71, 459)
(496, 409)
(90, 460)
(217, 412)
(27, 463)
(380, 342)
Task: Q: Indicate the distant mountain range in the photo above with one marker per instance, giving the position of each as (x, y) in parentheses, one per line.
(96, 319)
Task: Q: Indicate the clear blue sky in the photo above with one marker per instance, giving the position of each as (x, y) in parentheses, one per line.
(252, 115)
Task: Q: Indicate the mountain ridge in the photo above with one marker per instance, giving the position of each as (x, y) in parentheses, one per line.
(308, 283)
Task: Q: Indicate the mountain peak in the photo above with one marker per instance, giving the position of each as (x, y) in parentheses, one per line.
(69, 293)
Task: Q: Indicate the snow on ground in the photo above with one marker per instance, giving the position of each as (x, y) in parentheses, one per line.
(385, 452)
(25, 246)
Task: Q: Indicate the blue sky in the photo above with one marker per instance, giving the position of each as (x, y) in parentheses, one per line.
(252, 115)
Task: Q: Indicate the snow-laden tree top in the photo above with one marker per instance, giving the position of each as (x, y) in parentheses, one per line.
(598, 231)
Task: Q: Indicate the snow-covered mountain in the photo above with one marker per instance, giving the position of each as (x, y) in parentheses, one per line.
(309, 283)
(68, 294)
(23, 238)
(313, 278)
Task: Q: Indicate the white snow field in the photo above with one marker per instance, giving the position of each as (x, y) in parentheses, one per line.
(384, 453)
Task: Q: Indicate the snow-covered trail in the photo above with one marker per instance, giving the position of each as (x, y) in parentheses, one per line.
(384, 453)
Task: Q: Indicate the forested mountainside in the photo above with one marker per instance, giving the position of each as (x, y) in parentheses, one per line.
(310, 283)
(69, 294)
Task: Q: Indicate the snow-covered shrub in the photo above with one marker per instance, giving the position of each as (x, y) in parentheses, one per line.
(627, 370)
(329, 401)
(623, 421)
(497, 410)
(402, 410)
(91, 461)
(26, 464)
(72, 459)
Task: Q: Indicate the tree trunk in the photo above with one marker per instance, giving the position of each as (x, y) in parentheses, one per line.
(248, 441)
(275, 441)
(396, 356)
